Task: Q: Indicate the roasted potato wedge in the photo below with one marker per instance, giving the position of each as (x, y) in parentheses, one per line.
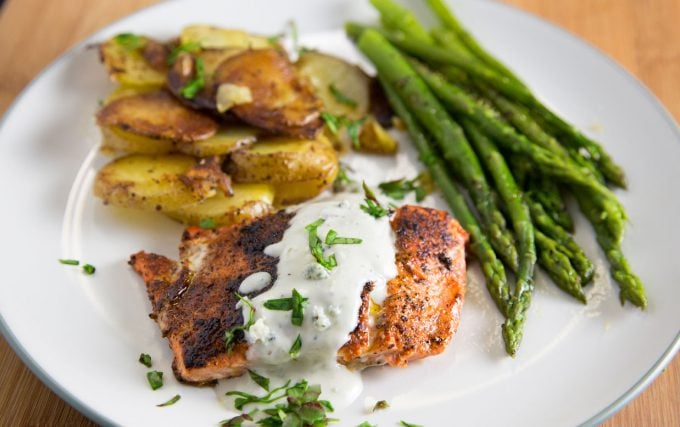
(247, 202)
(343, 88)
(116, 141)
(156, 115)
(155, 182)
(124, 59)
(375, 139)
(183, 70)
(209, 37)
(288, 193)
(124, 91)
(226, 140)
(283, 103)
(277, 160)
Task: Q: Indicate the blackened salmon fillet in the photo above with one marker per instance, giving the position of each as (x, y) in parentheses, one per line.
(194, 300)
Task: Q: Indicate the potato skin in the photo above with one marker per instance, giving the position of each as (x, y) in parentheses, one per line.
(288, 193)
(151, 182)
(116, 141)
(281, 159)
(283, 103)
(158, 115)
(182, 71)
(249, 201)
(129, 66)
(323, 71)
(210, 37)
(226, 140)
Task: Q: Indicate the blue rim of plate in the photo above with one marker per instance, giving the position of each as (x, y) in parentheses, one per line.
(596, 419)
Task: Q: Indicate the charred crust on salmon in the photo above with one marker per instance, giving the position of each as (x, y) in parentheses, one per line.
(194, 300)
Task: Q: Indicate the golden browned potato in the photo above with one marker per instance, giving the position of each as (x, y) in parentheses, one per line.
(124, 91)
(156, 115)
(248, 201)
(343, 88)
(226, 140)
(288, 193)
(124, 59)
(375, 139)
(116, 142)
(185, 69)
(157, 182)
(283, 159)
(282, 102)
(209, 37)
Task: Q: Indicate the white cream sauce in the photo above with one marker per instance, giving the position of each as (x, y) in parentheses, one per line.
(331, 312)
(255, 282)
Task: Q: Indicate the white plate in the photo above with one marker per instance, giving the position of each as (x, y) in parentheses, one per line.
(82, 335)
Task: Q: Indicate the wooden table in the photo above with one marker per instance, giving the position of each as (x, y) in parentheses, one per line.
(643, 36)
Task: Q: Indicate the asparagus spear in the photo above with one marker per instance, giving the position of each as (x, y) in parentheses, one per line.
(582, 265)
(544, 191)
(526, 123)
(613, 215)
(448, 135)
(449, 20)
(432, 53)
(613, 172)
(631, 288)
(524, 229)
(558, 267)
(492, 267)
(398, 17)
(570, 134)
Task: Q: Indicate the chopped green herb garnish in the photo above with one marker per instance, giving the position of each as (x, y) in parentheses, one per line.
(207, 223)
(170, 402)
(374, 209)
(189, 47)
(155, 379)
(89, 269)
(304, 49)
(341, 97)
(398, 189)
(367, 424)
(244, 399)
(237, 421)
(301, 406)
(275, 39)
(353, 130)
(195, 85)
(405, 424)
(333, 122)
(292, 26)
(145, 360)
(380, 405)
(295, 304)
(372, 206)
(333, 239)
(316, 247)
(295, 348)
(259, 379)
(69, 261)
(129, 41)
(230, 335)
(342, 181)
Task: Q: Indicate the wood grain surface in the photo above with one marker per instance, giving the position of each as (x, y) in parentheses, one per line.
(642, 35)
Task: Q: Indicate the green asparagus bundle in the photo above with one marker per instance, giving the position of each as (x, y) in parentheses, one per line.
(437, 81)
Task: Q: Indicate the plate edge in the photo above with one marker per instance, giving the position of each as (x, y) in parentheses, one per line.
(598, 418)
